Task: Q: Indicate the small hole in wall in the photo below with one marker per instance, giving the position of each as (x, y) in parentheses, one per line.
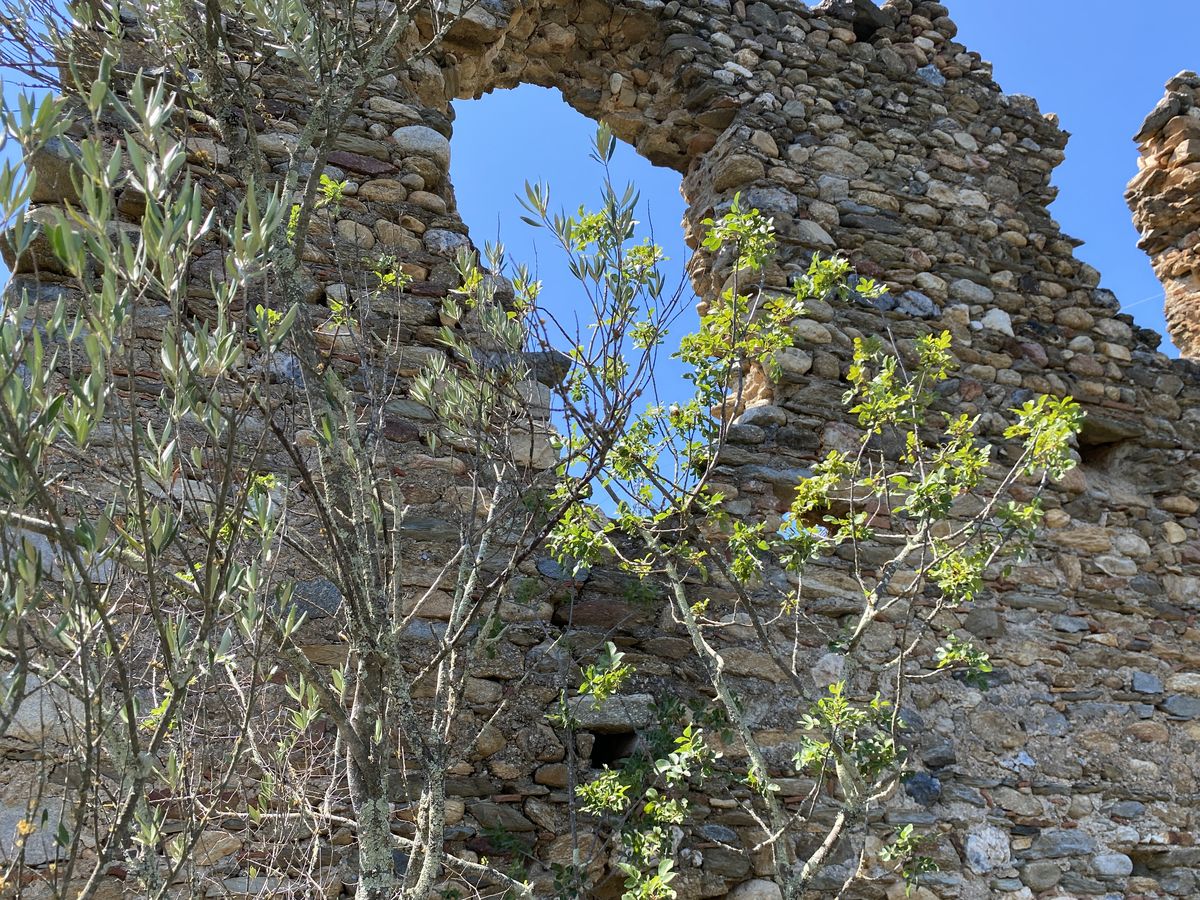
(1098, 456)
(1100, 445)
(864, 31)
(612, 748)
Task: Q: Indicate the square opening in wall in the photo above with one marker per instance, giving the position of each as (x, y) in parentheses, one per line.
(612, 748)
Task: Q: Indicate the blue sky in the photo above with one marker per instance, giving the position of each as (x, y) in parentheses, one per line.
(1100, 64)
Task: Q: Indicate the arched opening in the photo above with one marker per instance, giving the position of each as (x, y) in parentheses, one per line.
(529, 134)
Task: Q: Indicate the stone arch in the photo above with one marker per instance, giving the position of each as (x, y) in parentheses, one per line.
(606, 59)
(669, 93)
(859, 128)
(488, 177)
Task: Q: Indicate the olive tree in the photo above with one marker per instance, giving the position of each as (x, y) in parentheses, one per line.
(173, 446)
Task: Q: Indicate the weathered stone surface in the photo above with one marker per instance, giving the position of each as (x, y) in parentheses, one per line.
(318, 598)
(553, 775)
(211, 846)
(53, 162)
(363, 165)
(1182, 707)
(1113, 865)
(924, 788)
(445, 243)
(917, 304)
(1041, 875)
(620, 712)
(502, 816)
(879, 135)
(533, 448)
(998, 320)
(736, 171)
(971, 292)
(22, 832)
(1165, 200)
(1185, 683)
(45, 711)
(1059, 842)
(987, 848)
(756, 889)
(420, 140)
(382, 190)
(811, 234)
(933, 75)
(1145, 683)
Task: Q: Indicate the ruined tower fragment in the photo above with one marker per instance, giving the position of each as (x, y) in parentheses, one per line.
(1165, 199)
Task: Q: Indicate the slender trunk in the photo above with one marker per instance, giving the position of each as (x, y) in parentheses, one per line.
(794, 887)
(376, 864)
(782, 850)
(368, 790)
(431, 829)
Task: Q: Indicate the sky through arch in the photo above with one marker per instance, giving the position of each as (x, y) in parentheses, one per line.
(530, 134)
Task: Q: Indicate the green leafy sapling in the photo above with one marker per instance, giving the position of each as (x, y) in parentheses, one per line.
(389, 274)
(963, 655)
(646, 796)
(603, 678)
(855, 740)
(933, 502)
(903, 853)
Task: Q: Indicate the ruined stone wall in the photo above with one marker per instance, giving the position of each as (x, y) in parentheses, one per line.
(1165, 199)
(870, 131)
